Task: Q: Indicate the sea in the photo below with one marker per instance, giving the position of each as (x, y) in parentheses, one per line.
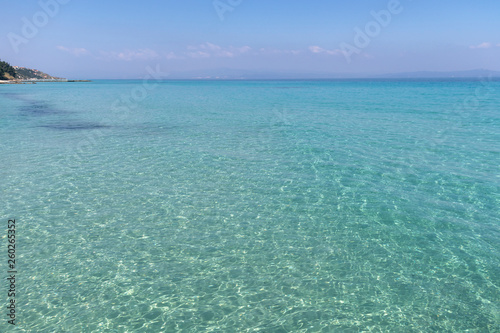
(251, 206)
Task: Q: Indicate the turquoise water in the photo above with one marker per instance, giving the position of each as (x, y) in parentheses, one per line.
(259, 206)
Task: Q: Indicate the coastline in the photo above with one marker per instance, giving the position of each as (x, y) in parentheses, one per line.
(39, 81)
(11, 82)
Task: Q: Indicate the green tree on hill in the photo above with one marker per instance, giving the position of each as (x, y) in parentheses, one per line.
(7, 72)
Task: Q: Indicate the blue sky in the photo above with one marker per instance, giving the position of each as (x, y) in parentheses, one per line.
(119, 39)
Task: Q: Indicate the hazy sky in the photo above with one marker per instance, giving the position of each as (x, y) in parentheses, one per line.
(119, 39)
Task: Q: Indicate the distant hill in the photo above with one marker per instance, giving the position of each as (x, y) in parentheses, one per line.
(239, 74)
(476, 73)
(7, 72)
(23, 73)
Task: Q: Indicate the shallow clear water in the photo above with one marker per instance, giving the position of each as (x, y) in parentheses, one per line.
(273, 206)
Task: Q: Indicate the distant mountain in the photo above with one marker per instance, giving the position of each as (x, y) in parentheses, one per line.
(242, 74)
(477, 73)
(32, 74)
(239, 74)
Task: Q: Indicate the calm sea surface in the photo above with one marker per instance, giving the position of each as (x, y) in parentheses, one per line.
(253, 206)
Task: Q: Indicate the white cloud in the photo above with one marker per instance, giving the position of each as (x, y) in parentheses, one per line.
(130, 55)
(142, 54)
(210, 46)
(172, 55)
(198, 54)
(317, 49)
(207, 50)
(244, 49)
(277, 51)
(485, 45)
(74, 51)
